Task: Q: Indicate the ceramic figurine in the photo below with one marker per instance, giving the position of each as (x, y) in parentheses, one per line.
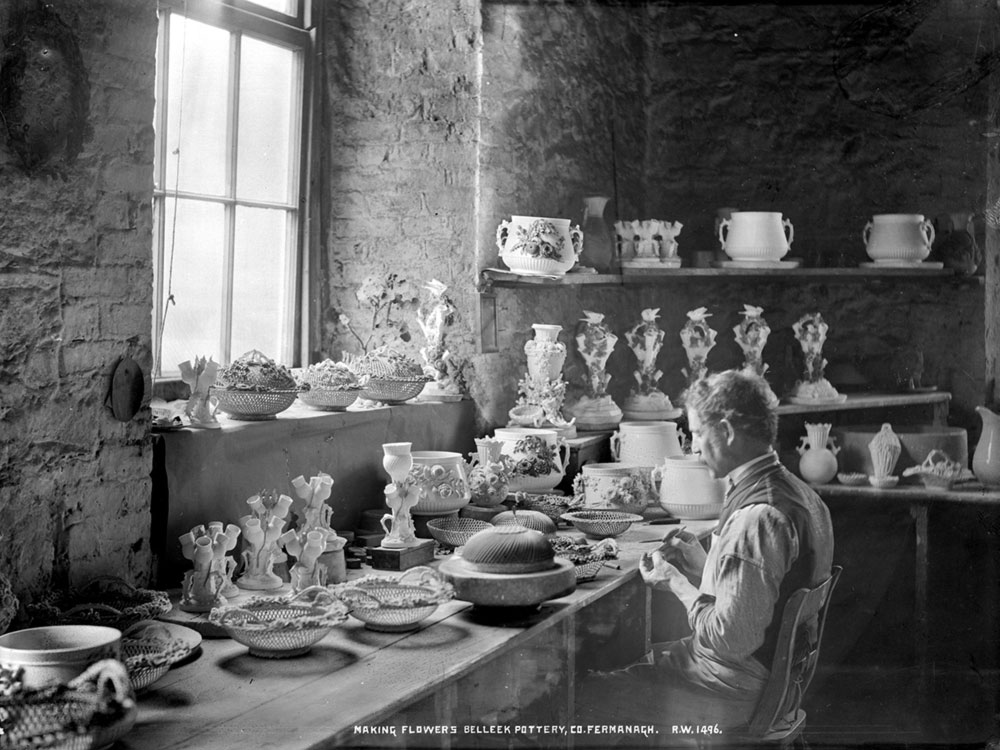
(489, 473)
(817, 454)
(434, 317)
(646, 400)
(626, 235)
(261, 529)
(199, 376)
(315, 515)
(306, 549)
(698, 339)
(595, 410)
(210, 582)
(751, 335)
(542, 392)
(654, 242)
(811, 332)
(400, 496)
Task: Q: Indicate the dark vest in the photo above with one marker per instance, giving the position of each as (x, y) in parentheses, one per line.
(773, 484)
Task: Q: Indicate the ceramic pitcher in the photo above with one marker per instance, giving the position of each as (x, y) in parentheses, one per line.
(986, 459)
(645, 443)
(756, 235)
(894, 238)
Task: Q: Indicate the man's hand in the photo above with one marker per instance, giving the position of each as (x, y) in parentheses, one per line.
(660, 574)
(683, 549)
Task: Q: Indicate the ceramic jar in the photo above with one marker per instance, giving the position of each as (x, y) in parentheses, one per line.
(884, 448)
(538, 456)
(545, 353)
(898, 238)
(538, 246)
(817, 454)
(687, 488)
(441, 481)
(645, 443)
(755, 235)
(616, 486)
(489, 473)
(986, 458)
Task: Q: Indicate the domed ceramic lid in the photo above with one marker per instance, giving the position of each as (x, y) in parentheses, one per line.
(529, 519)
(508, 549)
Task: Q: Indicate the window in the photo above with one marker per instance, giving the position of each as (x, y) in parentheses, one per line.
(229, 179)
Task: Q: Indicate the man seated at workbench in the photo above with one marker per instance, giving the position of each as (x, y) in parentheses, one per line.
(774, 536)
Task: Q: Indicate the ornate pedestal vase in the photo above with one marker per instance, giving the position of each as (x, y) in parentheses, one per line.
(751, 336)
(400, 495)
(261, 529)
(595, 410)
(698, 339)
(434, 317)
(646, 401)
(811, 332)
(210, 582)
(542, 391)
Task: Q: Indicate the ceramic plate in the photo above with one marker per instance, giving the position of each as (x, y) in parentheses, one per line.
(925, 265)
(816, 401)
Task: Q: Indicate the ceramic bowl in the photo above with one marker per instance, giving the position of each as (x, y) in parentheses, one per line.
(395, 603)
(508, 549)
(602, 523)
(57, 653)
(455, 532)
(529, 519)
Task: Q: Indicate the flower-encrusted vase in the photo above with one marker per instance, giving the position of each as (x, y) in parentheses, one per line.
(698, 339)
(542, 391)
(751, 336)
(489, 473)
(645, 400)
(595, 410)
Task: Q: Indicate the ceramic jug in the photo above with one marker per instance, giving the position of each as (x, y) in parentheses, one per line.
(538, 246)
(895, 238)
(986, 459)
(818, 454)
(755, 235)
(538, 457)
(645, 443)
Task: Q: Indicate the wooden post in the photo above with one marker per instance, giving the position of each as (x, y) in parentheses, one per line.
(991, 251)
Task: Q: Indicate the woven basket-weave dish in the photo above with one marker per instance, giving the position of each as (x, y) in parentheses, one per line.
(587, 559)
(393, 391)
(330, 399)
(602, 523)
(149, 649)
(551, 505)
(252, 406)
(454, 532)
(276, 627)
(92, 711)
(395, 603)
(107, 600)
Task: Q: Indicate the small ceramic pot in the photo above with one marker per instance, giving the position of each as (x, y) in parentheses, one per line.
(618, 486)
(539, 246)
(755, 235)
(645, 443)
(687, 481)
(57, 653)
(442, 481)
(892, 238)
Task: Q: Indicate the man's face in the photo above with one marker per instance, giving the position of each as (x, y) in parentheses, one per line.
(709, 442)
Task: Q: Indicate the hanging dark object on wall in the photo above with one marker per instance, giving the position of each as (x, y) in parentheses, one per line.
(125, 389)
(44, 89)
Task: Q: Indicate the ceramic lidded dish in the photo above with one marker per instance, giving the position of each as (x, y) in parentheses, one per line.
(510, 548)
(529, 519)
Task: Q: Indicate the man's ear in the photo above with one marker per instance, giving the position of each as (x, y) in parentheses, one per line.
(727, 430)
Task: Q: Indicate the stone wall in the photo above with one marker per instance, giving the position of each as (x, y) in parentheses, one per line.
(75, 296)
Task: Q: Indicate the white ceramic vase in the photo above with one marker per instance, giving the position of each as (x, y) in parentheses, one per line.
(546, 354)
(817, 454)
(687, 488)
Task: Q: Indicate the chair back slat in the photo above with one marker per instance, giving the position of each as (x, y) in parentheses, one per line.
(795, 660)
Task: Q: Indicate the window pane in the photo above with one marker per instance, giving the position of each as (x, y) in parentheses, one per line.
(197, 105)
(194, 323)
(267, 82)
(289, 7)
(260, 281)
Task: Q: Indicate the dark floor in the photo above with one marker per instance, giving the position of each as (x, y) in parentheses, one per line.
(881, 708)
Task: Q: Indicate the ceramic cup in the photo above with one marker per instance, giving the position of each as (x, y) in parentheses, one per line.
(57, 653)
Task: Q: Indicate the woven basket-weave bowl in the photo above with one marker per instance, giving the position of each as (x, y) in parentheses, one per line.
(395, 603)
(602, 523)
(330, 399)
(106, 600)
(454, 532)
(551, 505)
(392, 391)
(587, 571)
(252, 406)
(283, 626)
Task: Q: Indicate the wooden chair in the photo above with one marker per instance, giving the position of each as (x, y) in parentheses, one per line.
(778, 718)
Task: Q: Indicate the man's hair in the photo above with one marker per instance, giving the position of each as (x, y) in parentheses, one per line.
(742, 398)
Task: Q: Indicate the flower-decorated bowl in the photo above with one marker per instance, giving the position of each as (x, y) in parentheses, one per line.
(602, 523)
(395, 603)
(276, 627)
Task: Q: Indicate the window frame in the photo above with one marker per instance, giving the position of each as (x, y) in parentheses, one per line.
(242, 18)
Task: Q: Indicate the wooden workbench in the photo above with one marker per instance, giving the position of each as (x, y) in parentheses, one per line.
(466, 681)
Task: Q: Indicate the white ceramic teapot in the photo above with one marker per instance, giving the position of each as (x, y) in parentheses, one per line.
(538, 246)
(756, 235)
(898, 238)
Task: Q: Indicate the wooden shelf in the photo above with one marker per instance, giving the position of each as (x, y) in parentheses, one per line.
(498, 277)
(869, 401)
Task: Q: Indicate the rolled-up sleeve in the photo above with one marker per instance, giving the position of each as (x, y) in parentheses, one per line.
(738, 597)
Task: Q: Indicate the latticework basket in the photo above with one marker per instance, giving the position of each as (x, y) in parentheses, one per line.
(393, 391)
(92, 711)
(551, 505)
(602, 523)
(587, 559)
(148, 651)
(251, 406)
(281, 626)
(330, 399)
(454, 532)
(254, 371)
(107, 600)
(395, 603)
